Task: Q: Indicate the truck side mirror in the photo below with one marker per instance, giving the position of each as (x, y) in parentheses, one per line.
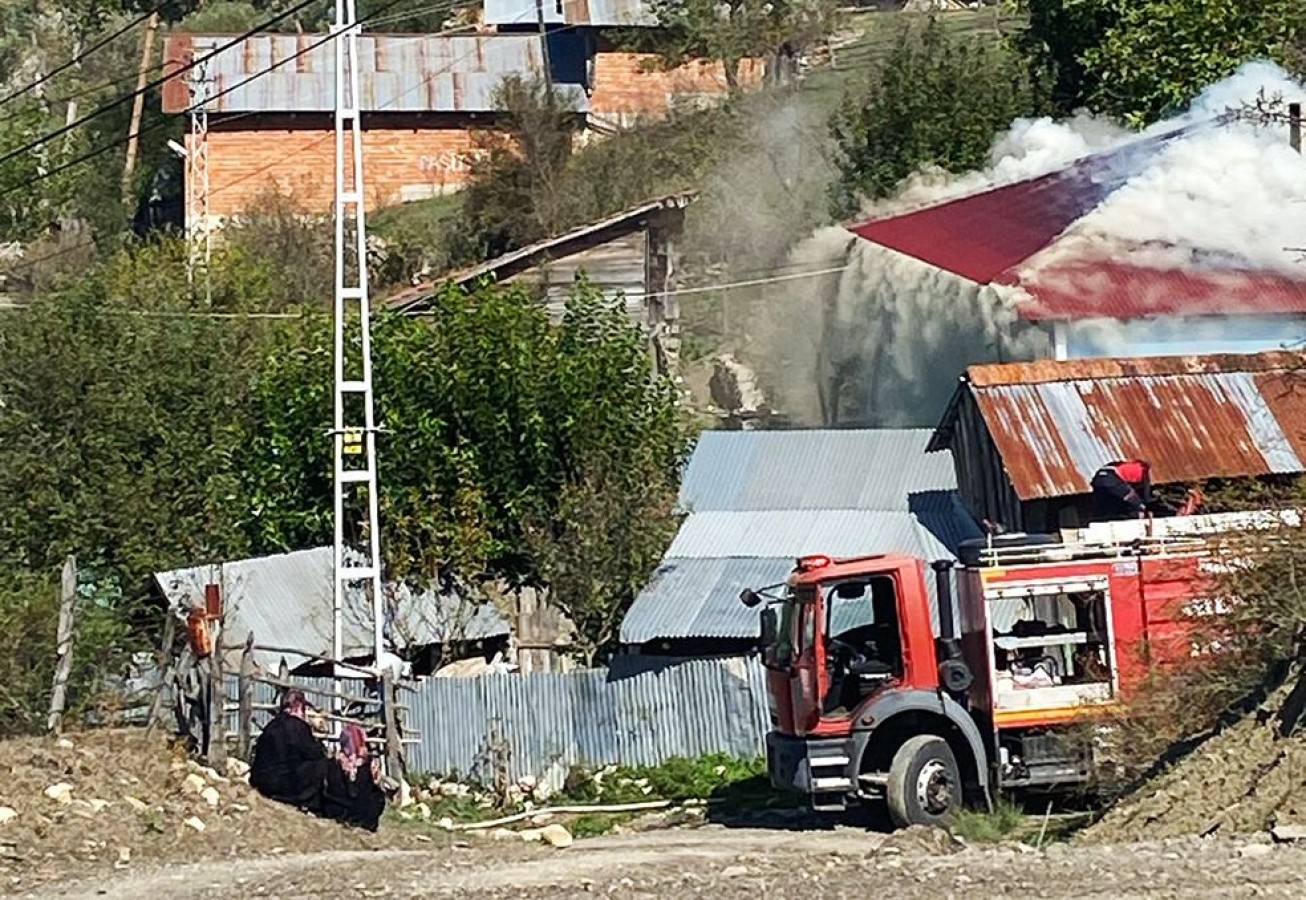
(749, 597)
(770, 628)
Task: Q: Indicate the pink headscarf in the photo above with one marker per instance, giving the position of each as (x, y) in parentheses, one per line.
(353, 750)
(294, 703)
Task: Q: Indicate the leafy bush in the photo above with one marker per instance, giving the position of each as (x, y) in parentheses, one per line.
(29, 616)
(935, 100)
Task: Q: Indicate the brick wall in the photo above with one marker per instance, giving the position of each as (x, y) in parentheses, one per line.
(628, 86)
(402, 164)
(411, 160)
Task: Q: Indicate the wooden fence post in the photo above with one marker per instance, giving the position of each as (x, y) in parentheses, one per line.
(394, 762)
(166, 667)
(64, 648)
(246, 689)
(217, 749)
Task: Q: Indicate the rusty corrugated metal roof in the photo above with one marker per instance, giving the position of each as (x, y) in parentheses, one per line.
(1196, 417)
(398, 73)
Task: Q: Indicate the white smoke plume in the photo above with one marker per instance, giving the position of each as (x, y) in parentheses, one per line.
(883, 343)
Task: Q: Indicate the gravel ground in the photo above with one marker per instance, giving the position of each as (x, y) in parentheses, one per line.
(713, 861)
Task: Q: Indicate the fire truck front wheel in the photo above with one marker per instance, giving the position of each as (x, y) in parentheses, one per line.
(924, 784)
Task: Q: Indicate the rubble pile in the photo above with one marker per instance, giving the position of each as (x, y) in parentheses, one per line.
(1248, 778)
(114, 798)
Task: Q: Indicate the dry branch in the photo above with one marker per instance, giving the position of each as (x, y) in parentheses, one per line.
(560, 810)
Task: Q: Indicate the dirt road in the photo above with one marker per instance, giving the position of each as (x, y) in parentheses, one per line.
(734, 863)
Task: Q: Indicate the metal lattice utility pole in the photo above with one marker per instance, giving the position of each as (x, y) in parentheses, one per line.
(354, 428)
(199, 235)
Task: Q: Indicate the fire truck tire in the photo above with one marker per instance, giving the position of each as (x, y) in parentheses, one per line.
(924, 785)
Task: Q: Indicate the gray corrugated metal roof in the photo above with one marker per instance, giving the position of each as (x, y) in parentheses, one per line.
(398, 73)
(700, 598)
(570, 12)
(868, 469)
(285, 600)
(695, 591)
(774, 533)
(758, 499)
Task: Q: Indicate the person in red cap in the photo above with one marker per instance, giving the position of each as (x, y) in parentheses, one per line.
(1123, 490)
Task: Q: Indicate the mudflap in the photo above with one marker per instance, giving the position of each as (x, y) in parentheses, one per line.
(820, 768)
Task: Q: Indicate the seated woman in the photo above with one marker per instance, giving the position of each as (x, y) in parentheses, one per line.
(290, 766)
(353, 794)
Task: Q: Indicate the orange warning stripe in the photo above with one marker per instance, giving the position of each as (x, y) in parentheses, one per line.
(1054, 715)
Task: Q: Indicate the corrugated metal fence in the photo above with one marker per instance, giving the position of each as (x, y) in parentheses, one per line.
(542, 724)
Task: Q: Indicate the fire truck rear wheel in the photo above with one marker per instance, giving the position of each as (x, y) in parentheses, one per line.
(924, 785)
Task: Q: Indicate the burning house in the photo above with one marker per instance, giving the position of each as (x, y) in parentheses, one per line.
(1080, 242)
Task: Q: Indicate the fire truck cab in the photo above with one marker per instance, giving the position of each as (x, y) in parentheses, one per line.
(883, 689)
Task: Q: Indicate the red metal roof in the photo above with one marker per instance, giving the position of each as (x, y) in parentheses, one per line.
(1085, 290)
(1011, 235)
(1055, 423)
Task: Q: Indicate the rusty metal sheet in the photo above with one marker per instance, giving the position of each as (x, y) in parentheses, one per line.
(1191, 417)
(1285, 396)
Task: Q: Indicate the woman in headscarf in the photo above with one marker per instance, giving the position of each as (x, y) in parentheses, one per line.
(353, 793)
(289, 764)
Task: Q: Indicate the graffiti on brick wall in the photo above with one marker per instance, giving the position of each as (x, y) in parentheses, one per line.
(447, 162)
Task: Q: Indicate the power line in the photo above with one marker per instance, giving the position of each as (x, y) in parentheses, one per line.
(88, 90)
(30, 265)
(188, 314)
(157, 82)
(79, 57)
(159, 123)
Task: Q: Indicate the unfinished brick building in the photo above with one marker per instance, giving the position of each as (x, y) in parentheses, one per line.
(423, 99)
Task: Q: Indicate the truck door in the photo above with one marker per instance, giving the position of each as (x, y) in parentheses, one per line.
(795, 664)
(808, 686)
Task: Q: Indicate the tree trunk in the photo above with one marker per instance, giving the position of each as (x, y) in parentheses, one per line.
(731, 67)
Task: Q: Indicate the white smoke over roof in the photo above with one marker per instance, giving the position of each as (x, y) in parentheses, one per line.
(890, 334)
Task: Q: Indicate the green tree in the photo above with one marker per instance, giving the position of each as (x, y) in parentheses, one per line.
(1059, 34)
(1161, 54)
(515, 194)
(1139, 61)
(496, 422)
(730, 31)
(935, 101)
(118, 392)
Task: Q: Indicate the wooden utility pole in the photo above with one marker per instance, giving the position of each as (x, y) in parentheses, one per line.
(393, 735)
(245, 739)
(544, 48)
(64, 665)
(138, 106)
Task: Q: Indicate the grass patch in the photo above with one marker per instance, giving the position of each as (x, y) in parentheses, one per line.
(1005, 822)
(724, 780)
(596, 824)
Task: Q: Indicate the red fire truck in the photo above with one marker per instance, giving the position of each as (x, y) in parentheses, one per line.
(881, 689)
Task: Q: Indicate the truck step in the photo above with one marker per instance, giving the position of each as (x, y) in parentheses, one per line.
(829, 803)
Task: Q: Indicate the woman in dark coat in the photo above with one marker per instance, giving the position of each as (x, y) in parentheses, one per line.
(289, 764)
(291, 767)
(353, 794)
